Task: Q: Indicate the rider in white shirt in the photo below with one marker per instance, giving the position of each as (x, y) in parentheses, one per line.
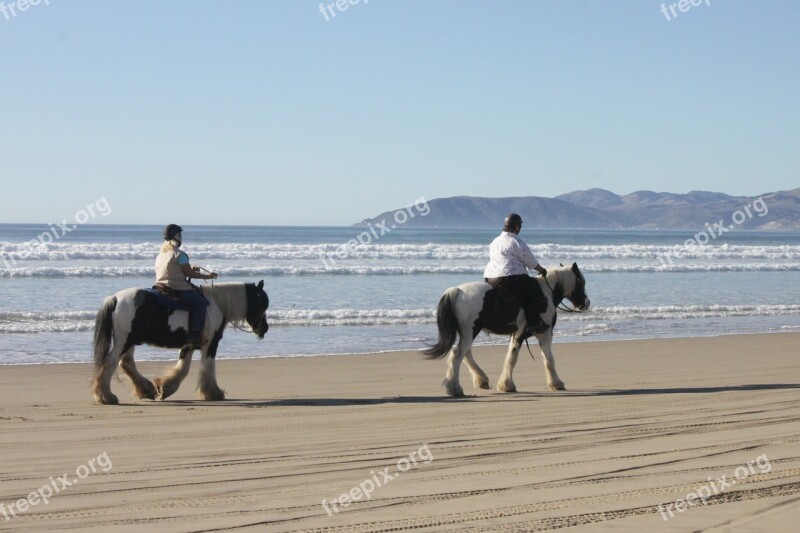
(509, 261)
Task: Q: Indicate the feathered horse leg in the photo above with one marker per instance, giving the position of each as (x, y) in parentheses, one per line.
(506, 381)
(168, 385)
(479, 378)
(101, 382)
(546, 343)
(142, 387)
(209, 390)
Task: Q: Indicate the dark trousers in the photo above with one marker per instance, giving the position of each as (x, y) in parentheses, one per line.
(197, 315)
(528, 290)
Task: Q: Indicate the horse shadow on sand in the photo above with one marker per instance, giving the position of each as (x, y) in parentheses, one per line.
(495, 397)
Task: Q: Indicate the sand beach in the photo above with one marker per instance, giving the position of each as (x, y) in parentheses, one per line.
(695, 434)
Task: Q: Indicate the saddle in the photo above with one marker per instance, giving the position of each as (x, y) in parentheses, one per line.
(503, 305)
(506, 303)
(166, 297)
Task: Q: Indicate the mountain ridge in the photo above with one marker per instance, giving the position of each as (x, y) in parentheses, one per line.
(602, 209)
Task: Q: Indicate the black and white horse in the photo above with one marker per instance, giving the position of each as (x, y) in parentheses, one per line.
(468, 309)
(133, 317)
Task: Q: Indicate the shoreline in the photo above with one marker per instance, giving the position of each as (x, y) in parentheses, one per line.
(534, 347)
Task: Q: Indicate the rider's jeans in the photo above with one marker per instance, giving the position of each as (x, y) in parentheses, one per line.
(197, 316)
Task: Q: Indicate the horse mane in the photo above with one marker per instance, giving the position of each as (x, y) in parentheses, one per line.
(231, 298)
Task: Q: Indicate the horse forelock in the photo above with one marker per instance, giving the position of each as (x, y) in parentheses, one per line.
(568, 278)
(573, 283)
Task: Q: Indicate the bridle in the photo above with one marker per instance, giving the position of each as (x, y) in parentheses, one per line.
(231, 324)
(561, 306)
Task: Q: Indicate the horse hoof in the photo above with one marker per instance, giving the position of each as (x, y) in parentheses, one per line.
(557, 386)
(108, 400)
(146, 393)
(478, 384)
(213, 396)
(161, 392)
(456, 393)
(505, 387)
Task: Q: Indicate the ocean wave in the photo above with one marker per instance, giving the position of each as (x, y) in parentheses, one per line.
(599, 320)
(681, 312)
(23, 316)
(316, 269)
(589, 330)
(430, 251)
(40, 322)
(298, 270)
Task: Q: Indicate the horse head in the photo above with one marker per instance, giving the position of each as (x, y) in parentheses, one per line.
(578, 293)
(257, 305)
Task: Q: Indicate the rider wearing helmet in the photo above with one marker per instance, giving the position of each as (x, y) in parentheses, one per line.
(509, 261)
(174, 271)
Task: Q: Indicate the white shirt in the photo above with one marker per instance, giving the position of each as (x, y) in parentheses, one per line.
(509, 256)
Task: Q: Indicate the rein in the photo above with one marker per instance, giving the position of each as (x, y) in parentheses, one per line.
(207, 270)
(560, 305)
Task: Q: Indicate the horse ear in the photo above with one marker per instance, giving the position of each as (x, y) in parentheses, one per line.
(561, 264)
(574, 267)
(260, 284)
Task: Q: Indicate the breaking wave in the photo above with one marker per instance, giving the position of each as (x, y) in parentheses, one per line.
(95, 271)
(599, 320)
(430, 251)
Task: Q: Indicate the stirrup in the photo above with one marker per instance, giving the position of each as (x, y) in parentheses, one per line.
(196, 342)
(536, 329)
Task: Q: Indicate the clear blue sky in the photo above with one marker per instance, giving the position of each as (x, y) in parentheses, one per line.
(263, 112)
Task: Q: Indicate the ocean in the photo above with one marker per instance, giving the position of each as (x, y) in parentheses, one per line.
(381, 296)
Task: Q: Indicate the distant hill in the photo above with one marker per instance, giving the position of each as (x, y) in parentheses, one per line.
(602, 209)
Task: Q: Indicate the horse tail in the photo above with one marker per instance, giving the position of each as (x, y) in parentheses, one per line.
(447, 324)
(103, 331)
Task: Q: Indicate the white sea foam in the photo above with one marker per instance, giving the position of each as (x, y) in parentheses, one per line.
(430, 251)
(376, 269)
(600, 320)
(106, 260)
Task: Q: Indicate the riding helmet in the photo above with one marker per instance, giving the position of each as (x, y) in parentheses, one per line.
(512, 221)
(171, 230)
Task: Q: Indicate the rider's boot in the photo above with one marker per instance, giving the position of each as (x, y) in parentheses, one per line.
(536, 326)
(195, 339)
